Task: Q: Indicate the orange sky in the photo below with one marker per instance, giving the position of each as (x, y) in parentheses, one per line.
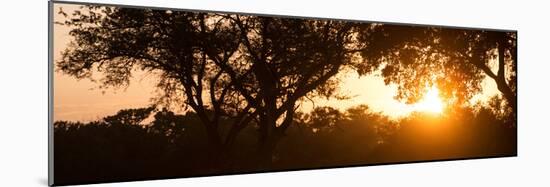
(77, 100)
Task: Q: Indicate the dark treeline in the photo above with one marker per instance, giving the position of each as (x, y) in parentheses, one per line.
(123, 147)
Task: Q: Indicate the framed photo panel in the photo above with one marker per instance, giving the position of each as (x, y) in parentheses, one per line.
(141, 93)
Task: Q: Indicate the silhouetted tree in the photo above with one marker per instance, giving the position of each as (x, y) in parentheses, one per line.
(168, 123)
(456, 60)
(129, 116)
(498, 106)
(325, 117)
(243, 68)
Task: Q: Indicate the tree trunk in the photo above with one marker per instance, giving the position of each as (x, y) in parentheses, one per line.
(508, 94)
(500, 79)
(265, 152)
(218, 152)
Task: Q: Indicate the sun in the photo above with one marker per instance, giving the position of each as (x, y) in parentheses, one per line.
(431, 102)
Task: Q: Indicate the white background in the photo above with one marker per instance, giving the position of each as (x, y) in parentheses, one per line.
(23, 92)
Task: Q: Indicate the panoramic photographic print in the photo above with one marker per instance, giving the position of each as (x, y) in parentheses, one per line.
(151, 93)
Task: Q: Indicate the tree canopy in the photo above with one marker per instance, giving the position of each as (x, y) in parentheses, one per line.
(249, 69)
(455, 60)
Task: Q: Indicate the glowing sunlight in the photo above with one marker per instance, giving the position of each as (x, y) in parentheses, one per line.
(431, 102)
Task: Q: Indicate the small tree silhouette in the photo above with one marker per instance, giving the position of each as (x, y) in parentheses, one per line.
(129, 116)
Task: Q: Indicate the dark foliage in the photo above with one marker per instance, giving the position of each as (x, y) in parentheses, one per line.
(455, 60)
(174, 145)
(221, 66)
